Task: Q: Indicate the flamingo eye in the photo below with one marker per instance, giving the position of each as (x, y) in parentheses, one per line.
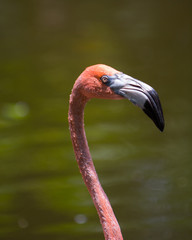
(104, 78)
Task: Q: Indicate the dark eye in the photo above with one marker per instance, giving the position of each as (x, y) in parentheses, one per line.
(104, 78)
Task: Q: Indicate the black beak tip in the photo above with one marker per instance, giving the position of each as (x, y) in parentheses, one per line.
(156, 115)
(161, 126)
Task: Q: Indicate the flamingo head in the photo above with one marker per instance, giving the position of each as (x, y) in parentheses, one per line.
(101, 81)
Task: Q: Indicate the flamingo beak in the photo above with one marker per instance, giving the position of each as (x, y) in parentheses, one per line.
(140, 94)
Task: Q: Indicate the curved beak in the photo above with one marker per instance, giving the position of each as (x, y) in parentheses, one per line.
(140, 94)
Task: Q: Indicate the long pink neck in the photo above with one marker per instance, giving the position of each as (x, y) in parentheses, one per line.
(107, 217)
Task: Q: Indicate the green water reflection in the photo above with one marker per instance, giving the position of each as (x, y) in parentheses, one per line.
(146, 174)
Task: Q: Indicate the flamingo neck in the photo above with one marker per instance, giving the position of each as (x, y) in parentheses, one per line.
(107, 217)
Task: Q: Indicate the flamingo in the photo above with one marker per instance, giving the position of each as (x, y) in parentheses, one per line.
(102, 81)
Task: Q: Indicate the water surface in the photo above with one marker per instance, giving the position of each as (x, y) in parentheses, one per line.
(147, 175)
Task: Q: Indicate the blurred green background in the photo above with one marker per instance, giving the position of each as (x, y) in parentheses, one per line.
(44, 46)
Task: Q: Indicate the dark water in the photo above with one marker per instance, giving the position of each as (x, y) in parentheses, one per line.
(44, 45)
